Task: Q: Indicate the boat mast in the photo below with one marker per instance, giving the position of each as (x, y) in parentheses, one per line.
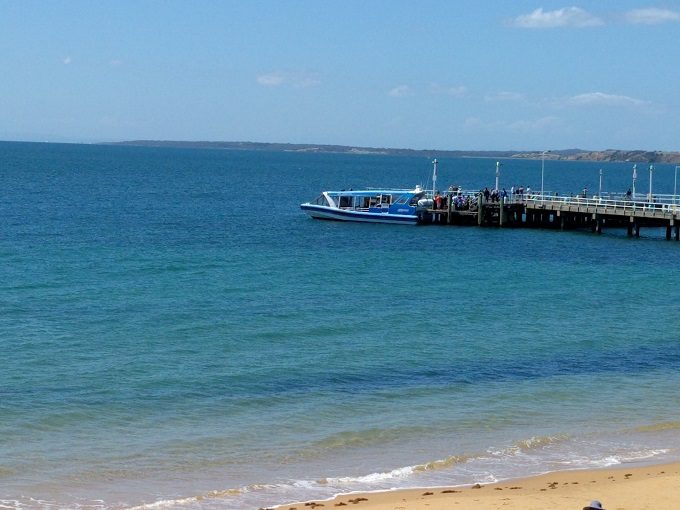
(434, 177)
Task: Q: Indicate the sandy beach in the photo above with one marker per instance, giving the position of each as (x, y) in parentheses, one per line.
(641, 488)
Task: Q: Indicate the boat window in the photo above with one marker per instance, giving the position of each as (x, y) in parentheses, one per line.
(321, 200)
(385, 199)
(402, 199)
(345, 201)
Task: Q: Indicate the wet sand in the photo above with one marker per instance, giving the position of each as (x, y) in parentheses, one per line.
(641, 488)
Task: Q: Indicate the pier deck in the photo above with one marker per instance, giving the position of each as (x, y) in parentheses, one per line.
(546, 211)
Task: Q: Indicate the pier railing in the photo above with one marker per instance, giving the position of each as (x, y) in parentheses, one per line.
(614, 203)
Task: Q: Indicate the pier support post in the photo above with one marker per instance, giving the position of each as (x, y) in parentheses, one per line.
(501, 212)
(450, 205)
(668, 232)
(596, 223)
(480, 209)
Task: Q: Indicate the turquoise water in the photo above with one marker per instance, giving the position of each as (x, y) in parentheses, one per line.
(176, 333)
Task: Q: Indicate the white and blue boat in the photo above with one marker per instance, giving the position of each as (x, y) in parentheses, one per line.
(370, 205)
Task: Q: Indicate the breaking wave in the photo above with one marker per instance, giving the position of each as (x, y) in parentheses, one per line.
(211, 495)
(537, 442)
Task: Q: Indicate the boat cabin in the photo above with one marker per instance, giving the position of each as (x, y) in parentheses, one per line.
(368, 200)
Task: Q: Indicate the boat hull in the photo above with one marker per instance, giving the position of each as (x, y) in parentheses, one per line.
(330, 213)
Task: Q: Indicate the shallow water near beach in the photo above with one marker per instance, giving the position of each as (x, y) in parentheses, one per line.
(176, 333)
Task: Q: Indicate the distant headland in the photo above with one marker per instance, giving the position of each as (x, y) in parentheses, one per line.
(634, 156)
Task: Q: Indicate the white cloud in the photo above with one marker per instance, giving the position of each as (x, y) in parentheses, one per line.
(565, 17)
(115, 62)
(651, 16)
(400, 91)
(270, 79)
(455, 91)
(67, 60)
(295, 79)
(600, 98)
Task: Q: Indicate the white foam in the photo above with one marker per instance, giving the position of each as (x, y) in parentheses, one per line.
(629, 457)
(222, 494)
(30, 503)
(371, 478)
(165, 503)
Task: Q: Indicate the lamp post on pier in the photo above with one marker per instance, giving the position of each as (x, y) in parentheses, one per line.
(675, 184)
(599, 193)
(498, 174)
(542, 170)
(634, 179)
(651, 170)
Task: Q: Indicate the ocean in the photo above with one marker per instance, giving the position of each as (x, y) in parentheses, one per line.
(176, 333)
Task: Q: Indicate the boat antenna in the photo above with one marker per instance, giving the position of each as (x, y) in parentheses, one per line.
(434, 176)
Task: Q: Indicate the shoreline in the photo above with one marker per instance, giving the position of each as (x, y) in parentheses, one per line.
(650, 487)
(609, 155)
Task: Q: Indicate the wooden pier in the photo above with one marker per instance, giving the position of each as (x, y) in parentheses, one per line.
(563, 213)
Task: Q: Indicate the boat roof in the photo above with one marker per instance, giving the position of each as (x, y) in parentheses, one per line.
(375, 191)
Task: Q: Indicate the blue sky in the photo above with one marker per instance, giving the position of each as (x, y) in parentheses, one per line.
(426, 75)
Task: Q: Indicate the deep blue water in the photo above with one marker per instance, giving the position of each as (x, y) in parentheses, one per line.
(175, 332)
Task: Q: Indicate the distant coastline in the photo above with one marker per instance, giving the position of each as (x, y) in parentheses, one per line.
(634, 156)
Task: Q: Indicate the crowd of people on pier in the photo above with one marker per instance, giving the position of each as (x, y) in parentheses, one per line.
(455, 197)
(468, 202)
